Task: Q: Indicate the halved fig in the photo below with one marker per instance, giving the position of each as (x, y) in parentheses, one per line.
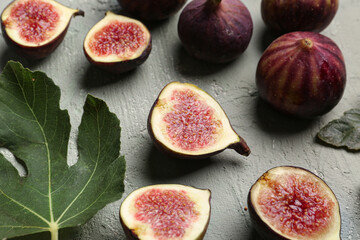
(34, 28)
(293, 203)
(167, 211)
(186, 122)
(117, 43)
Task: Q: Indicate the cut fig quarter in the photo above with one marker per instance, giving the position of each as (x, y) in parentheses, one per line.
(35, 28)
(186, 122)
(293, 203)
(117, 43)
(166, 211)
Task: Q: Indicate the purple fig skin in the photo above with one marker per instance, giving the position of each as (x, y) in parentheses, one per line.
(298, 15)
(263, 229)
(36, 53)
(130, 235)
(240, 147)
(215, 31)
(152, 10)
(302, 74)
(122, 66)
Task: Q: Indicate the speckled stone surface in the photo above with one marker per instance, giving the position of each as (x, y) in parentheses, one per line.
(274, 139)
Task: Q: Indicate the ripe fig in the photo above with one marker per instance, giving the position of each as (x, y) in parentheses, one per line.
(34, 28)
(215, 31)
(298, 15)
(166, 212)
(150, 9)
(117, 43)
(294, 204)
(302, 74)
(186, 122)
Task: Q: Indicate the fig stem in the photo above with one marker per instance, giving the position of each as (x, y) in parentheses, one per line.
(241, 147)
(79, 13)
(306, 43)
(214, 3)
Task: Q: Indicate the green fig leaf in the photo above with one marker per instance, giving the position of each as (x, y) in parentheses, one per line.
(343, 132)
(36, 131)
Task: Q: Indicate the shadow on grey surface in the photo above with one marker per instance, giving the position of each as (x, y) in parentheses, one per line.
(266, 38)
(254, 235)
(64, 234)
(8, 54)
(96, 77)
(164, 167)
(190, 66)
(272, 121)
(151, 25)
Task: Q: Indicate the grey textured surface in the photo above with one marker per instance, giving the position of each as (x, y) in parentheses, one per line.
(274, 139)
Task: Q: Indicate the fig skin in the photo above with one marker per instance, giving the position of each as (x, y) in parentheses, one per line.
(302, 74)
(117, 66)
(298, 15)
(263, 229)
(43, 50)
(122, 66)
(240, 146)
(131, 233)
(152, 10)
(215, 31)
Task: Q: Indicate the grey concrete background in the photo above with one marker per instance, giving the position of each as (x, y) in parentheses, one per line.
(274, 139)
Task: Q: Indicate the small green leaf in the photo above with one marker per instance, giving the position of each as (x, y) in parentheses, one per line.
(53, 195)
(343, 132)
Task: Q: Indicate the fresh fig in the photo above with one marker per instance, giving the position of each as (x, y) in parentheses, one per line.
(298, 15)
(117, 43)
(152, 10)
(294, 204)
(34, 28)
(302, 74)
(166, 212)
(186, 122)
(215, 31)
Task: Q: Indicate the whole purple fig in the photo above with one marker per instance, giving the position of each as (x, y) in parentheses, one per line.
(152, 9)
(302, 74)
(215, 31)
(298, 15)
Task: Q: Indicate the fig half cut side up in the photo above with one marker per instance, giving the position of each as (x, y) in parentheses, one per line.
(117, 43)
(294, 204)
(166, 212)
(35, 28)
(186, 122)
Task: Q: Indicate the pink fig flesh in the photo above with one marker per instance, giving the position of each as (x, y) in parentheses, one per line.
(35, 28)
(117, 43)
(186, 122)
(293, 203)
(167, 211)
